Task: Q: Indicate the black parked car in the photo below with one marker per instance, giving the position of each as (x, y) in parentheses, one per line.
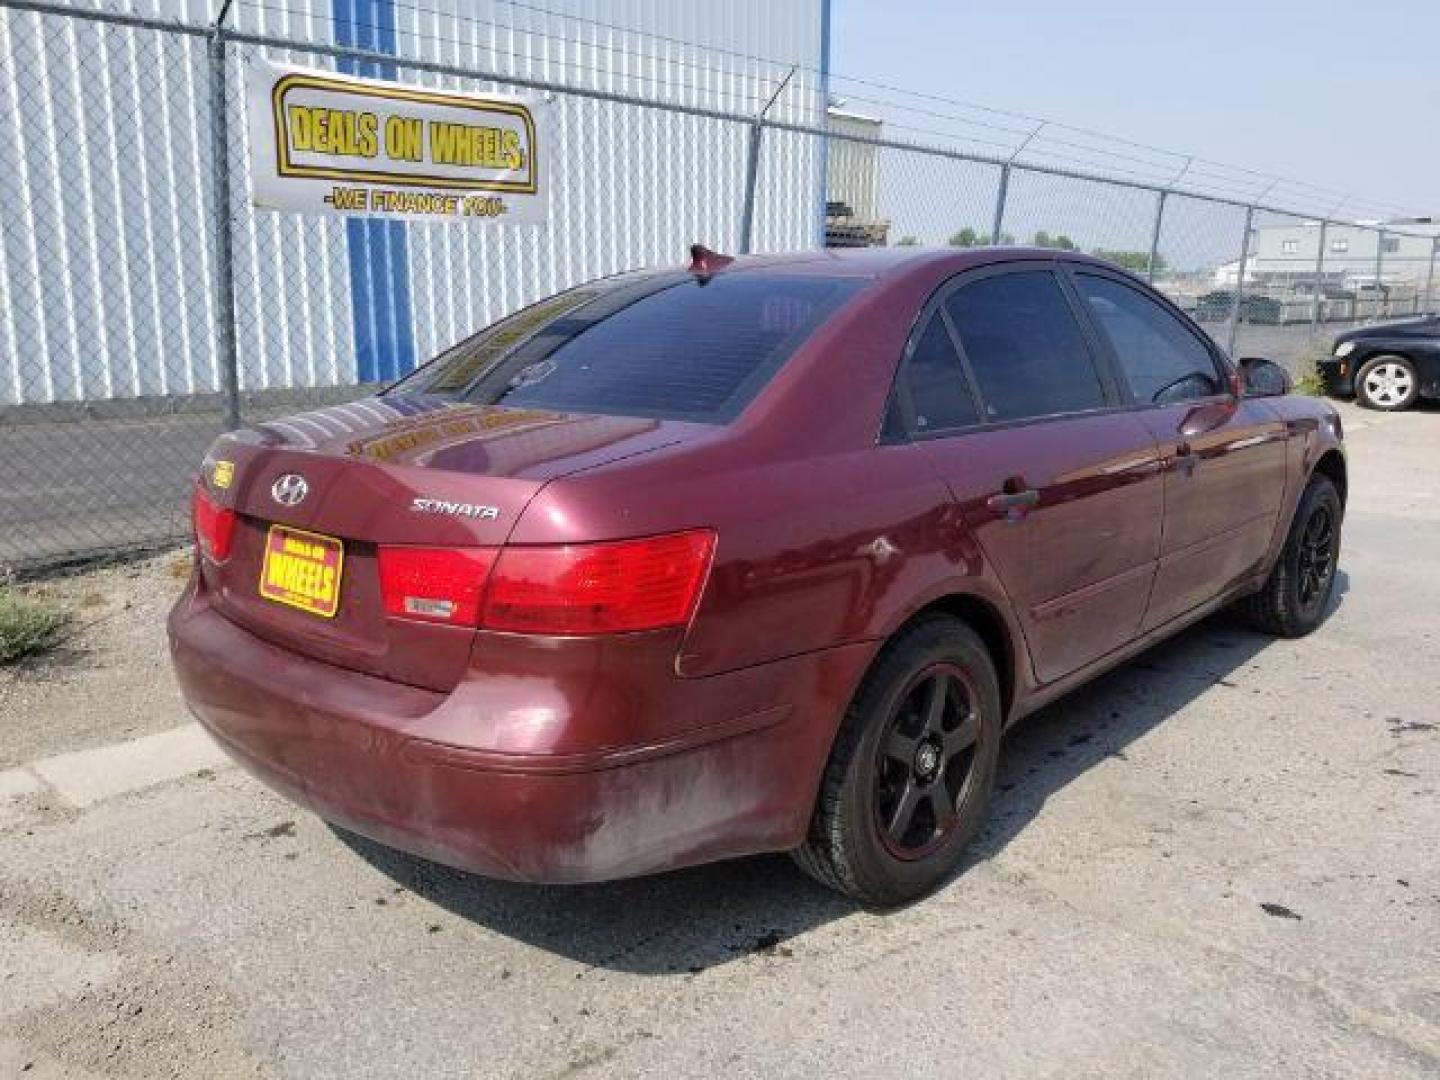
(1386, 366)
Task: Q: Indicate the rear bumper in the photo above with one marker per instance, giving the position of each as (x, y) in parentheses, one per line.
(738, 777)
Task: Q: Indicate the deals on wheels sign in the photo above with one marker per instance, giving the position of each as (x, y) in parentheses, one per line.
(332, 143)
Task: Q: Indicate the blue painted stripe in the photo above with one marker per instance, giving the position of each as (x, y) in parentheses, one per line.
(379, 259)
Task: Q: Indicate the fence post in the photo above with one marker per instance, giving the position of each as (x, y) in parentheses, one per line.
(1240, 281)
(1379, 261)
(1318, 286)
(1155, 237)
(1000, 203)
(747, 208)
(226, 358)
(752, 169)
(1430, 274)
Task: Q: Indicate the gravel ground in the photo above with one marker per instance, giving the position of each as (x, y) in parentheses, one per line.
(110, 678)
(1219, 860)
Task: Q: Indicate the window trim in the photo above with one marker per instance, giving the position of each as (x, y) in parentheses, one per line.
(1110, 389)
(900, 397)
(1218, 358)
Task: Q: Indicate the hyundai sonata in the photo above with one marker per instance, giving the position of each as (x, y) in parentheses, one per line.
(756, 555)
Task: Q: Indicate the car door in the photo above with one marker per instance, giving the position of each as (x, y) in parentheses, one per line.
(1061, 489)
(1224, 455)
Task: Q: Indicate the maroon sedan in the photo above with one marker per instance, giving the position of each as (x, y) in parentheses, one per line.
(760, 555)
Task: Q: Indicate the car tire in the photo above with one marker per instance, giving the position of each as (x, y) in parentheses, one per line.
(1387, 382)
(887, 830)
(1292, 601)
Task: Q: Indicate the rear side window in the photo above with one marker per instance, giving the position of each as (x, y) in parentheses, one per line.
(1163, 361)
(1024, 346)
(675, 347)
(934, 382)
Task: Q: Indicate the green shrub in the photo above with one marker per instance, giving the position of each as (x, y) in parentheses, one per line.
(1307, 372)
(27, 626)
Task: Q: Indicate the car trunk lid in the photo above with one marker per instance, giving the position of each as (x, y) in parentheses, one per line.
(331, 487)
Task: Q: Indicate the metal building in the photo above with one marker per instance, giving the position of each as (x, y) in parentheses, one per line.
(107, 286)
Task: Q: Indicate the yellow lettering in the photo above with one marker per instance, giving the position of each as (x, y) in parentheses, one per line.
(302, 127)
(510, 151)
(366, 142)
(334, 131)
(404, 138)
(465, 144)
(346, 198)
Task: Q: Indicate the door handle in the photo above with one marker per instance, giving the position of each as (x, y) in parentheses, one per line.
(1185, 458)
(1013, 504)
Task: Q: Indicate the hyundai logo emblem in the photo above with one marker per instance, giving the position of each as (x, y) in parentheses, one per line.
(290, 489)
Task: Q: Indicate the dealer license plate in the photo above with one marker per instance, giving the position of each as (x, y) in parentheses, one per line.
(302, 569)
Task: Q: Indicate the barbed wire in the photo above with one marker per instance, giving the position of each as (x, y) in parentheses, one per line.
(1037, 148)
(1020, 137)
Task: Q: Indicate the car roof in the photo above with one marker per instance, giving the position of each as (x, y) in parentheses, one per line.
(892, 261)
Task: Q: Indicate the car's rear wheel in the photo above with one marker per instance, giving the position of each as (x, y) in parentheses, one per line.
(911, 770)
(1292, 601)
(1388, 383)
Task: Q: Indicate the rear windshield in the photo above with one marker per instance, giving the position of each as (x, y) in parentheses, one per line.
(673, 347)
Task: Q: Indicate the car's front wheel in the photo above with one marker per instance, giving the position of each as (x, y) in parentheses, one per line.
(1292, 601)
(1388, 383)
(911, 770)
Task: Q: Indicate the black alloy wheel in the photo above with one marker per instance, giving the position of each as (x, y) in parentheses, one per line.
(1294, 598)
(924, 761)
(1317, 553)
(905, 787)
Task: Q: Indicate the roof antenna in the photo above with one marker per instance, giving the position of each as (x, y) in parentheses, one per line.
(704, 262)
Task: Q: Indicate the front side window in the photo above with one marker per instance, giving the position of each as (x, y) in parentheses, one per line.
(1162, 360)
(1026, 350)
(669, 347)
(1290, 247)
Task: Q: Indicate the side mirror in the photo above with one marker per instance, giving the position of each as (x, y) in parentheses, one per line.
(1264, 378)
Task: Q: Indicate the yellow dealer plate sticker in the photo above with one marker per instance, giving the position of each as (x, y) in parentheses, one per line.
(302, 569)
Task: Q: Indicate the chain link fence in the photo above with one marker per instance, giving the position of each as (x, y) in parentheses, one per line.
(146, 306)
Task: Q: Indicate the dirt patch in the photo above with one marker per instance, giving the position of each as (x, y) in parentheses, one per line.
(108, 676)
(148, 1016)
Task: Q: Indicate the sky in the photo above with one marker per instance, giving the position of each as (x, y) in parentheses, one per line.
(1345, 96)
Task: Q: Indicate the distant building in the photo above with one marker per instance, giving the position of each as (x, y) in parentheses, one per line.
(1284, 256)
(851, 212)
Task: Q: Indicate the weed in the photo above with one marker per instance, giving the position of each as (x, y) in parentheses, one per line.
(1307, 372)
(27, 626)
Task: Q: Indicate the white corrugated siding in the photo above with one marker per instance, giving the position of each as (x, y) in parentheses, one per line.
(852, 168)
(104, 172)
(106, 287)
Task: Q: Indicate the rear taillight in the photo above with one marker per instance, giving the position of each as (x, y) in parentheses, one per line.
(607, 588)
(214, 526)
(602, 588)
(434, 584)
